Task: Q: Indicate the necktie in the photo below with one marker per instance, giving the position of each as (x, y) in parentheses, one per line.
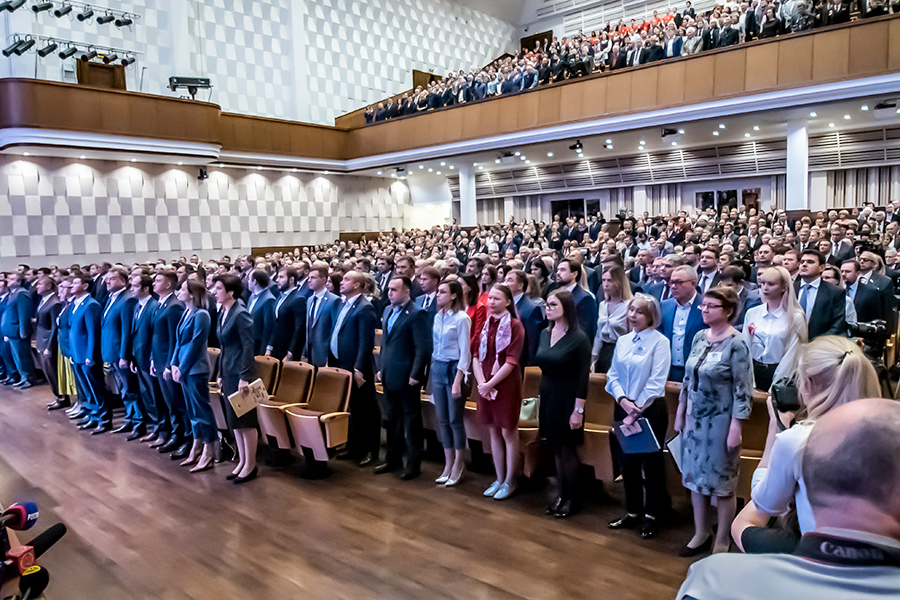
(392, 319)
(703, 283)
(666, 292)
(137, 317)
(311, 317)
(804, 299)
(427, 302)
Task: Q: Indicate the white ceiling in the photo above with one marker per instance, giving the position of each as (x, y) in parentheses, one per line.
(506, 10)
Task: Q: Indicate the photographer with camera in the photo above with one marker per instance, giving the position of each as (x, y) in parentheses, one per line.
(832, 371)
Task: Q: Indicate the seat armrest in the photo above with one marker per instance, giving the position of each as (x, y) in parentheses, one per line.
(335, 416)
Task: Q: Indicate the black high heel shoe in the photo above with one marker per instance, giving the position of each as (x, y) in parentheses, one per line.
(551, 510)
(250, 477)
(688, 552)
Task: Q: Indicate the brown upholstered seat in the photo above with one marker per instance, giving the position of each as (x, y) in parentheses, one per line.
(268, 369)
(294, 387)
(213, 355)
(322, 424)
(598, 420)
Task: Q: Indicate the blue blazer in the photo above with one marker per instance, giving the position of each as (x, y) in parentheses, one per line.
(115, 328)
(15, 322)
(142, 335)
(432, 309)
(165, 325)
(532, 318)
(694, 323)
(356, 338)
(587, 311)
(84, 331)
(191, 342)
(319, 329)
(263, 321)
(406, 348)
(655, 289)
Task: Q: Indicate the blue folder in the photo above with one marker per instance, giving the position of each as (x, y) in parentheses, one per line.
(637, 438)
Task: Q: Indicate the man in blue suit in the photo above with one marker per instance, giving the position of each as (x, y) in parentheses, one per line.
(429, 278)
(405, 354)
(115, 344)
(10, 375)
(303, 287)
(681, 318)
(350, 348)
(530, 314)
(165, 327)
(261, 306)
(84, 340)
(320, 315)
(568, 276)
(16, 327)
(139, 356)
(661, 290)
(289, 317)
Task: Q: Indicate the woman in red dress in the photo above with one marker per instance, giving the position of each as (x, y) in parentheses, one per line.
(499, 379)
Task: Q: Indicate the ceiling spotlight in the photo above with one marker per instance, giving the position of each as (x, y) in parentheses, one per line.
(756, 128)
(608, 146)
(11, 49)
(721, 125)
(549, 155)
(377, 173)
(48, 49)
(608, 141)
(107, 18)
(25, 46)
(41, 7)
(421, 166)
(497, 160)
(846, 117)
(481, 168)
(180, 162)
(325, 172)
(111, 58)
(443, 164)
(69, 52)
(12, 5)
(746, 135)
(813, 114)
(129, 60)
(86, 14)
(430, 170)
(294, 170)
(715, 133)
(135, 160)
(438, 173)
(831, 124)
(674, 143)
(864, 107)
(62, 11)
(643, 143)
(522, 158)
(90, 55)
(518, 153)
(681, 132)
(125, 21)
(82, 157)
(473, 164)
(258, 168)
(27, 153)
(452, 167)
(640, 147)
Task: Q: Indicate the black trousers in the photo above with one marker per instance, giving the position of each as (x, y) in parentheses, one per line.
(405, 437)
(364, 435)
(644, 475)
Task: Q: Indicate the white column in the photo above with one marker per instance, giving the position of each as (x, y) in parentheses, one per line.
(509, 208)
(818, 188)
(797, 182)
(468, 214)
(639, 200)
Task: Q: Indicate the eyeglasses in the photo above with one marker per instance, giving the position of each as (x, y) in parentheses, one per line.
(679, 281)
(709, 306)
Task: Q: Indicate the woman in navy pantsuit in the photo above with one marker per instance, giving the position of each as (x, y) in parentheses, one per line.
(190, 368)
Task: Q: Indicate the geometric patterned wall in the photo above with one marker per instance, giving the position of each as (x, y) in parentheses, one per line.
(60, 211)
(352, 52)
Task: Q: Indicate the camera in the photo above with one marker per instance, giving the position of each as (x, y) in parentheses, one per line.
(873, 332)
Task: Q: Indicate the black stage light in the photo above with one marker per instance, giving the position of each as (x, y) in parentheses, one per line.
(125, 21)
(48, 49)
(111, 58)
(128, 60)
(68, 52)
(42, 7)
(86, 14)
(14, 5)
(107, 18)
(25, 46)
(90, 55)
(62, 11)
(11, 49)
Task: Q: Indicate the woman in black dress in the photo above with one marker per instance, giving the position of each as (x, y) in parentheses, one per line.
(564, 356)
(237, 370)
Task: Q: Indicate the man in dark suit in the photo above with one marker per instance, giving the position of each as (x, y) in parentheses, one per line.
(288, 335)
(153, 406)
(429, 278)
(115, 342)
(883, 286)
(351, 346)
(638, 275)
(16, 328)
(405, 266)
(302, 275)
(708, 275)
(529, 313)
(405, 353)
(654, 52)
(681, 318)
(45, 339)
(733, 277)
(320, 314)
(165, 325)
(729, 36)
(867, 300)
(261, 306)
(711, 36)
(822, 302)
(84, 341)
(568, 276)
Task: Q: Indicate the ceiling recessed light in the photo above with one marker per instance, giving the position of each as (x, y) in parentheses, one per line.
(394, 175)
(674, 143)
(518, 153)
(180, 163)
(295, 170)
(846, 117)
(756, 128)
(82, 157)
(474, 164)
(27, 153)
(452, 167)
(681, 132)
(864, 107)
(379, 172)
(481, 168)
(608, 141)
(715, 133)
(497, 160)
(259, 168)
(643, 143)
(831, 124)
(640, 147)
(221, 164)
(527, 162)
(746, 135)
(609, 147)
(438, 173)
(813, 114)
(325, 172)
(443, 164)
(721, 125)
(430, 170)
(522, 158)
(549, 155)
(133, 160)
(421, 166)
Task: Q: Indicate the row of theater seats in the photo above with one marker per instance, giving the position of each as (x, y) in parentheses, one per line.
(307, 408)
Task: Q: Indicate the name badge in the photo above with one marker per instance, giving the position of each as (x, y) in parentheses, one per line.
(639, 350)
(714, 357)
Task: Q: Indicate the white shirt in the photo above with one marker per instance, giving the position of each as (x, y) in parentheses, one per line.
(610, 326)
(769, 334)
(640, 367)
(679, 329)
(864, 279)
(811, 295)
(112, 300)
(450, 336)
(772, 489)
(319, 296)
(143, 303)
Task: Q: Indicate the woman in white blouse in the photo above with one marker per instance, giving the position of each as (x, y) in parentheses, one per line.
(776, 328)
(613, 312)
(637, 380)
(449, 365)
(832, 371)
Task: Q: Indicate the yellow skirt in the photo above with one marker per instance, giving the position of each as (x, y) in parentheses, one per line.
(66, 376)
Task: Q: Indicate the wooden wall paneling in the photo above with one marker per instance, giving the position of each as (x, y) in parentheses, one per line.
(83, 111)
(894, 44)
(243, 134)
(699, 73)
(618, 93)
(169, 117)
(594, 97)
(643, 88)
(279, 140)
(472, 127)
(671, 83)
(453, 132)
(571, 102)
(527, 115)
(831, 54)
(761, 67)
(548, 105)
(795, 60)
(730, 73)
(507, 117)
(870, 48)
(115, 114)
(490, 114)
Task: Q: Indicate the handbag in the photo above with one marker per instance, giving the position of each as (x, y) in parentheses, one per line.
(529, 410)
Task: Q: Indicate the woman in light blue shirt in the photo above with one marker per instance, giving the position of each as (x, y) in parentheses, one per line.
(449, 365)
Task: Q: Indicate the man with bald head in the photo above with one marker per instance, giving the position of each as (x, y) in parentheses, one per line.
(852, 475)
